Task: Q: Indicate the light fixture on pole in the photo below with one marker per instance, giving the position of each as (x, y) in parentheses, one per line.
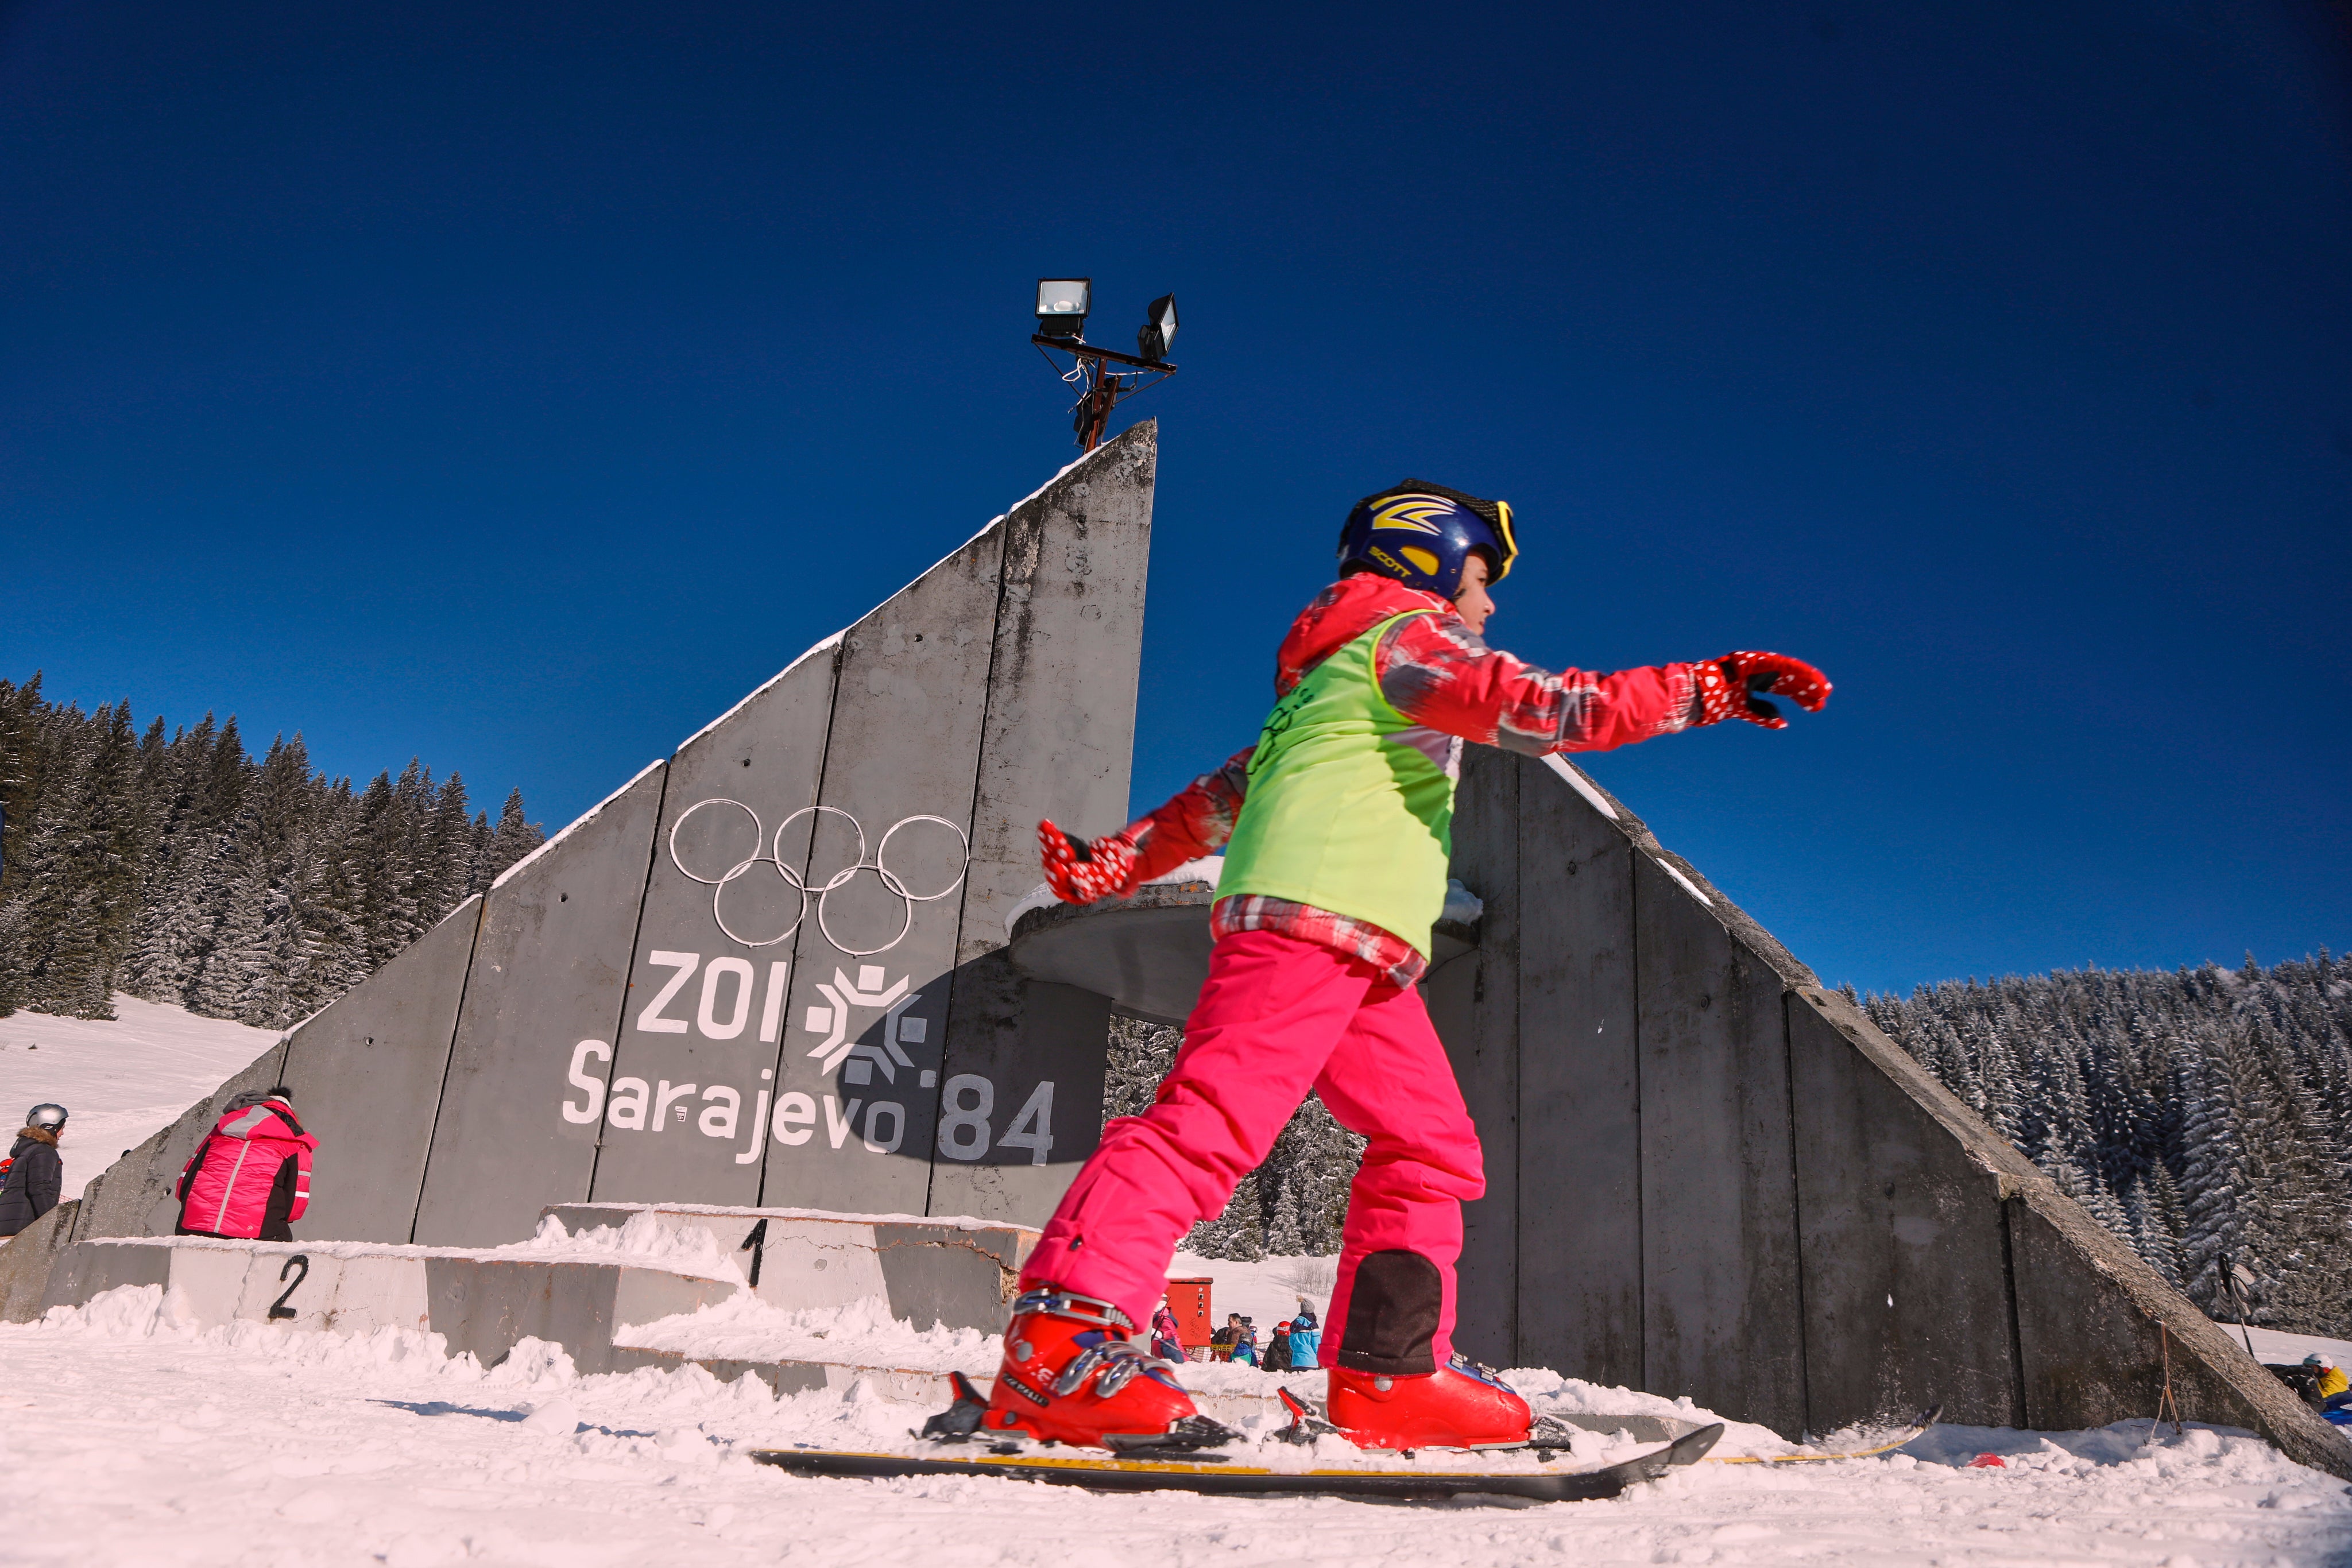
(1062, 305)
(1159, 329)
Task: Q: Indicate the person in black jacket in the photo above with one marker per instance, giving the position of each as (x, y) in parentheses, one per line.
(35, 1173)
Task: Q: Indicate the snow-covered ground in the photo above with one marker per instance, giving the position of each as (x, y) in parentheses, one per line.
(128, 1435)
(2277, 1348)
(122, 1082)
(127, 1438)
(1267, 1292)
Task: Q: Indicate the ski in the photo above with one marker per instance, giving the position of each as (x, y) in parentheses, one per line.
(1215, 1475)
(1180, 1461)
(1926, 1419)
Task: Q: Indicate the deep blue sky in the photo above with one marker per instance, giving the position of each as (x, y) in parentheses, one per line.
(517, 386)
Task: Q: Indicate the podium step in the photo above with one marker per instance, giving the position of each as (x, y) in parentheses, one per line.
(924, 1269)
(477, 1299)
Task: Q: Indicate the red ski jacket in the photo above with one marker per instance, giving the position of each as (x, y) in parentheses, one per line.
(250, 1177)
(1435, 671)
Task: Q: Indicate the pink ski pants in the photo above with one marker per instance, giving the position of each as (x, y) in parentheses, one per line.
(1278, 1016)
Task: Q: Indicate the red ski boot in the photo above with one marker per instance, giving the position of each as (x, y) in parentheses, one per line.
(1071, 1374)
(1462, 1405)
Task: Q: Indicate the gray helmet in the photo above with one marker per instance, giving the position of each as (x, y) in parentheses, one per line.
(46, 1115)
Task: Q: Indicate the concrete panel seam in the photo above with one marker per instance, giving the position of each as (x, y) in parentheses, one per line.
(1797, 1214)
(2009, 1297)
(972, 819)
(637, 935)
(593, 812)
(808, 856)
(1641, 1170)
(448, 1060)
(1519, 1149)
(822, 646)
(834, 690)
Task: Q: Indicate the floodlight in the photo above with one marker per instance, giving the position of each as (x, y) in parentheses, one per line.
(1062, 304)
(1101, 377)
(1159, 329)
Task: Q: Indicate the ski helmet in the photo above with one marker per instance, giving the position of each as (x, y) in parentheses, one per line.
(1420, 534)
(45, 1115)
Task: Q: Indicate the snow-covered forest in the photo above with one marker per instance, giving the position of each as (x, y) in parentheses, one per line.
(1290, 1206)
(181, 869)
(2202, 1115)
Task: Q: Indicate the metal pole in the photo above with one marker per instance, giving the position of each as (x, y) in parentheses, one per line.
(1099, 400)
(2230, 1283)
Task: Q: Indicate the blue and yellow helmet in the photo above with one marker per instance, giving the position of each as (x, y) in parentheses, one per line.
(1420, 534)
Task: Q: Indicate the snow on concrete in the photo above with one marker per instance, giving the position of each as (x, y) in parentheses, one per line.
(863, 1334)
(1581, 785)
(129, 1436)
(821, 646)
(122, 1082)
(847, 1217)
(642, 1241)
(593, 812)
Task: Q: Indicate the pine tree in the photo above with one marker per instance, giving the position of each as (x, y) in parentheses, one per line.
(257, 953)
(449, 875)
(184, 903)
(1239, 1233)
(81, 866)
(513, 839)
(180, 870)
(1286, 1236)
(1140, 1054)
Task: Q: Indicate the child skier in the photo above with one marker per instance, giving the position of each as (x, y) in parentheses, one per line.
(1335, 829)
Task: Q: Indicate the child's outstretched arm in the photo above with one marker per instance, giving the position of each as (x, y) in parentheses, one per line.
(1197, 822)
(1438, 671)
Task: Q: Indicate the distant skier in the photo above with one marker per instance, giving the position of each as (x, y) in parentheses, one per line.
(36, 1170)
(1306, 1338)
(251, 1175)
(1166, 1334)
(1336, 832)
(2330, 1388)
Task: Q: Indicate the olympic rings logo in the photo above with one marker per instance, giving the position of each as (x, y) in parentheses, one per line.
(878, 864)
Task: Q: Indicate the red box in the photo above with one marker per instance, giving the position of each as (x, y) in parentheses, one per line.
(1189, 1300)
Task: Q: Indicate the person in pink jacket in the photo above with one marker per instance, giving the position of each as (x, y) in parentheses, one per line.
(251, 1175)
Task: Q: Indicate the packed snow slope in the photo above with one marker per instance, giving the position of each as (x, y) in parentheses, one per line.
(123, 1081)
(2278, 1348)
(128, 1439)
